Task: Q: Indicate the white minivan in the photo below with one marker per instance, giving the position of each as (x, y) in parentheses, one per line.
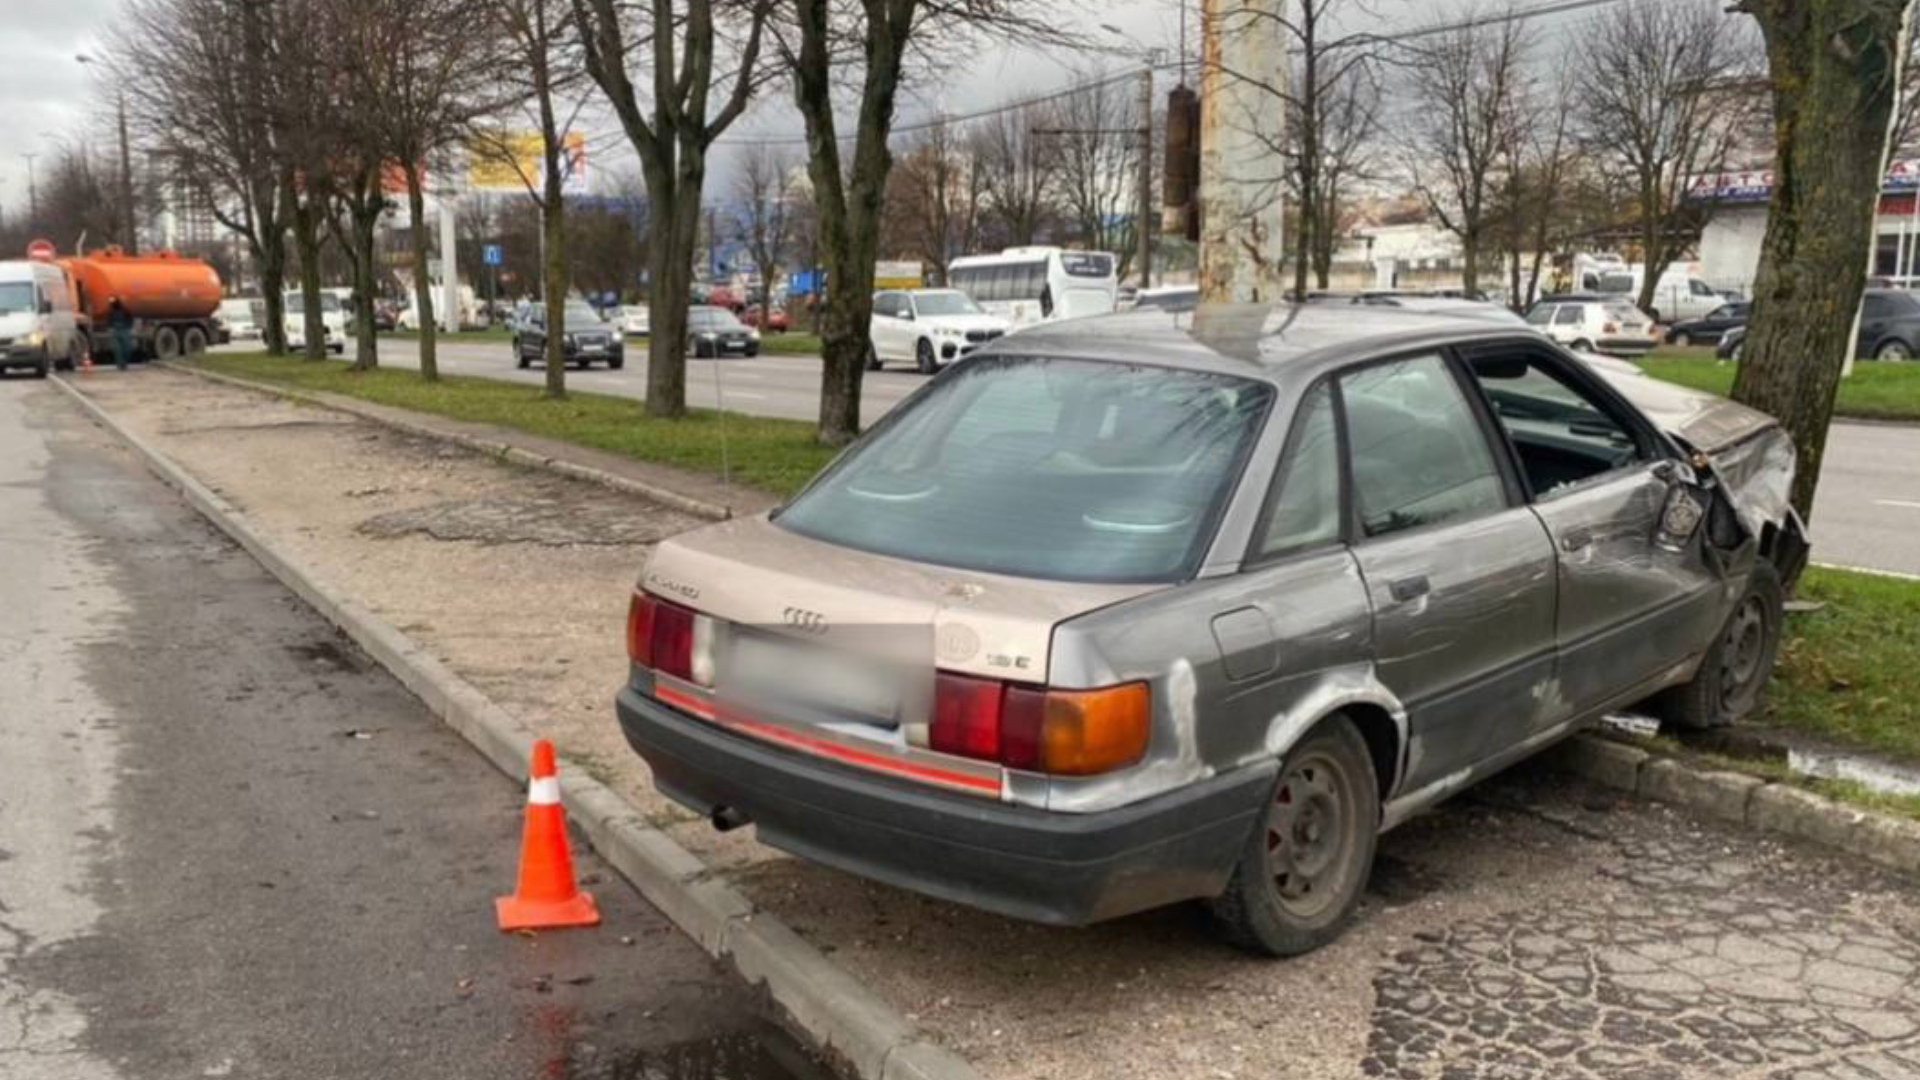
(37, 326)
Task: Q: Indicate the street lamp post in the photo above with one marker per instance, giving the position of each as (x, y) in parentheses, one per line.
(33, 192)
(132, 235)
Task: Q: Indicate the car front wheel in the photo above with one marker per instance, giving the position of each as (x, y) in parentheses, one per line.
(1681, 338)
(873, 358)
(1894, 351)
(923, 358)
(1733, 676)
(1300, 877)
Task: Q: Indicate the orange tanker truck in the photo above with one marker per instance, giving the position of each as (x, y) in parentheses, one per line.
(172, 299)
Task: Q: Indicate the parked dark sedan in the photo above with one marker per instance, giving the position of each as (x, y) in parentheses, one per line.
(1889, 325)
(1709, 329)
(1730, 345)
(587, 337)
(716, 332)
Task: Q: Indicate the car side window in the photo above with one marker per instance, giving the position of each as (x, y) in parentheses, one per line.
(1418, 454)
(1569, 315)
(1700, 288)
(1542, 315)
(1304, 511)
(1562, 432)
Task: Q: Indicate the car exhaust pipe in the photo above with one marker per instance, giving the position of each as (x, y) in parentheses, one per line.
(727, 819)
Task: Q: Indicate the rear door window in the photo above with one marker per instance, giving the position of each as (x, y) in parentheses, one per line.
(1569, 315)
(1418, 453)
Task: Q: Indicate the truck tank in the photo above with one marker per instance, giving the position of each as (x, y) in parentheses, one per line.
(161, 287)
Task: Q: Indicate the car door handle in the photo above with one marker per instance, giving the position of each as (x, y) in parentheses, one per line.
(1576, 540)
(1407, 590)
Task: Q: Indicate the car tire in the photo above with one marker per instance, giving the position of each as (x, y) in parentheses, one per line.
(1583, 345)
(1680, 339)
(1894, 352)
(1733, 675)
(616, 363)
(923, 360)
(1323, 819)
(166, 343)
(520, 354)
(752, 351)
(42, 369)
(194, 341)
(873, 357)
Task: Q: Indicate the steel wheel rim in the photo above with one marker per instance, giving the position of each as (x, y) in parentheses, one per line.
(1895, 352)
(1742, 647)
(1309, 835)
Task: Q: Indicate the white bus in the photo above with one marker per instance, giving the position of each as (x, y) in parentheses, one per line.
(1029, 285)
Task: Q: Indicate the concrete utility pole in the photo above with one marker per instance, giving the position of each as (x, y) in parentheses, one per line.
(126, 182)
(1244, 47)
(1143, 224)
(449, 251)
(33, 192)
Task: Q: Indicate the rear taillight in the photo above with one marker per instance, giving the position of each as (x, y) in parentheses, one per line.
(660, 635)
(1066, 732)
(1610, 328)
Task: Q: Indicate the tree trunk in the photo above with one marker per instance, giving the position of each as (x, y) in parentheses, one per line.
(1834, 66)
(366, 348)
(554, 282)
(272, 257)
(306, 237)
(675, 233)
(423, 281)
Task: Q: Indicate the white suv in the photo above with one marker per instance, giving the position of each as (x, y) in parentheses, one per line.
(929, 327)
(1613, 327)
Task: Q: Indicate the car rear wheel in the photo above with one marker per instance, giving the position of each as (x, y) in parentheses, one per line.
(923, 358)
(1301, 874)
(1681, 338)
(194, 341)
(1583, 345)
(1733, 677)
(1894, 352)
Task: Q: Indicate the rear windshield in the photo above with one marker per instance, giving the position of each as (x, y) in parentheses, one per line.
(1067, 470)
(1625, 313)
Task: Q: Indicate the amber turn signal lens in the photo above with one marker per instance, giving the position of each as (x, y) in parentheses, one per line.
(1095, 731)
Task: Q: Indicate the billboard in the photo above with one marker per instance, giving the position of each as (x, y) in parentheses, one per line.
(1756, 186)
(509, 161)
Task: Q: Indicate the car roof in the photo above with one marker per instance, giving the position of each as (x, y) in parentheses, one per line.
(1256, 339)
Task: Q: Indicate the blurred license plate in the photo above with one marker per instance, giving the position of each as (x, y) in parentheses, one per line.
(772, 669)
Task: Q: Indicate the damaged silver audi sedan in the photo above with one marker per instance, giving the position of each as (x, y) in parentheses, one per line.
(1154, 607)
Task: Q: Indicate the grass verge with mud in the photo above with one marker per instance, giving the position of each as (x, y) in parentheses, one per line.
(777, 456)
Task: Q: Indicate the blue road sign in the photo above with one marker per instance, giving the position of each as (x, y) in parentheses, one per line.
(492, 255)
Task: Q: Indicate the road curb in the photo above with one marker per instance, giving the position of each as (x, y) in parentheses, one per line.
(505, 451)
(824, 1002)
(1740, 799)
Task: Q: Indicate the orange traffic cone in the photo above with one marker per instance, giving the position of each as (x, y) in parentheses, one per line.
(547, 896)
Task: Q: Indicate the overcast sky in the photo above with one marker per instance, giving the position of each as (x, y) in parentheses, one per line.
(46, 96)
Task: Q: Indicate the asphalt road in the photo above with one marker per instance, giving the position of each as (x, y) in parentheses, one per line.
(1867, 516)
(206, 872)
(787, 387)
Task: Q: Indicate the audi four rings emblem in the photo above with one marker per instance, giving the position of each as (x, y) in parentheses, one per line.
(810, 622)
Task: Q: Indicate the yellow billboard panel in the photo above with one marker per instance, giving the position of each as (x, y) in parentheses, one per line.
(510, 161)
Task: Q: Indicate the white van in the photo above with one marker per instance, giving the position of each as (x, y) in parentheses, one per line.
(37, 325)
(1680, 295)
(333, 322)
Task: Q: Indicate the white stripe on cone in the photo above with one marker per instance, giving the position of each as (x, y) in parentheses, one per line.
(543, 791)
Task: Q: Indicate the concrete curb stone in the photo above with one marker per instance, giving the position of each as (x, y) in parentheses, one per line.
(823, 1001)
(506, 451)
(1890, 841)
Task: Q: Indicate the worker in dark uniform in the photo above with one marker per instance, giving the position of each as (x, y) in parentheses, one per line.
(120, 321)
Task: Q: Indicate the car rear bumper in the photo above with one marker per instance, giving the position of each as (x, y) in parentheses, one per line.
(1628, 346)
(1060, 869)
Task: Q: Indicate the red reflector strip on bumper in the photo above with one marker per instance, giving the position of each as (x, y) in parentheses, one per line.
(876, 762)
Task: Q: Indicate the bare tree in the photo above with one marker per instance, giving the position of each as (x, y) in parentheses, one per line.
(1348, 138)
(545, 75)
(433, 76)
(1016, 173)
(764, 193)
(688, 48)
(206, 101)
(933, 200)
(1533, 194)
(1096, 150)
(865, 47)
(1466, 87)
(1656, 95)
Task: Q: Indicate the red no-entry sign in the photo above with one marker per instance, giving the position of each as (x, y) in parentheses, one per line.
(42, 250)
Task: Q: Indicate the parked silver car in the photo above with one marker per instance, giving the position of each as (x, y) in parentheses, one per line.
(1138, 609)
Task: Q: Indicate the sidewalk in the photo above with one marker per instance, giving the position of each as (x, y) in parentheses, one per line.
(519, 581)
